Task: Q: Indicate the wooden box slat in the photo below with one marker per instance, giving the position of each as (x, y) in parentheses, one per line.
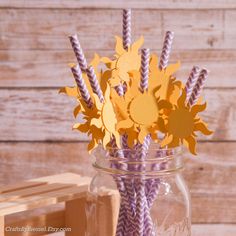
(34, 191)
(44, 195)
(41, 200)
(54, 219)
(65, 178)
(22, 185)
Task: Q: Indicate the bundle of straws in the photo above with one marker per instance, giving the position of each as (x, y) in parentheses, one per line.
(126, 103)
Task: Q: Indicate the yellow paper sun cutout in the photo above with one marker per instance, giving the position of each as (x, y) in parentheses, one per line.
(181, 124)
(100, 121)
(169, 87)
(124, 62)
(139, 111)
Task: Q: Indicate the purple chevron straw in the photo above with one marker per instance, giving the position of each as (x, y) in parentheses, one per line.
(130, 224)
(126, 212)
(78, 52)
(197, 89)
(191, 81)
(122, 221)
(81, 85)
(143, 148)
(84, 67)
(126, 28)
(143, 151)
(94, 83)
(145, 54)
(153, 184)
(165, 54)
(120, 90)
(126, 34)
(142, 210)
(128, 181)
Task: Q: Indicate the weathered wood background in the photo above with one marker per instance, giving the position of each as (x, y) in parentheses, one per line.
(35, 122)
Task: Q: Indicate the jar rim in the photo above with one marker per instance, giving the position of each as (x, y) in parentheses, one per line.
(166, 153)
(147, 174)
(133, 163)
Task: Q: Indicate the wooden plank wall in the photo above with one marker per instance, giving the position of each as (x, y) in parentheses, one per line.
(35, 122)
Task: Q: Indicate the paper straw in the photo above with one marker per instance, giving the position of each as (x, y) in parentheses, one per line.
(148, 223)
(94, 83)
(191, 81)
(165, 54)
(124, 142)
(141, 202)
(140, 208)
(125, 200)
(125, 87)
(124, 193)
(197, 89)
(78, 52)
(126, 28)
(143, 150)
(155, 182)
(122, 219)
(152, 195)
(129, 181)
(81, 85)
(145, 54)
(120, 90)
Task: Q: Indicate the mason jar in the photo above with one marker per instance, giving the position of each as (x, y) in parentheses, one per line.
(138, 193)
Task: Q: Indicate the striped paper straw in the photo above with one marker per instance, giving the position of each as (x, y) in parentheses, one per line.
(122, 219)
(94, 83)
(145, 54)
(125, 87)
(148, 223)
(120, 90)
(128, 181)
(191, 81)
(125, 200)
(197, 89)
(81, 85)
(126, 28)
(140, 208)
(165, 54)
(154, 190)
(124, 193)
(78, 52)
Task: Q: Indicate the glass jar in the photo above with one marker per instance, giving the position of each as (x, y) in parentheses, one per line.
(140, 195)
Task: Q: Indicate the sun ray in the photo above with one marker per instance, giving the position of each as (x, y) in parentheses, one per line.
(124, 124)
(202, 128)
(191, 144)
(77, 110)
(167, 140)
(198, 108)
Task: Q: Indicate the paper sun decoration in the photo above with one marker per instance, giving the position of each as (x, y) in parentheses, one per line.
(161, 108)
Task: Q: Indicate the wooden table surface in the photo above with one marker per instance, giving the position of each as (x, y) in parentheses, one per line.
(35, 122)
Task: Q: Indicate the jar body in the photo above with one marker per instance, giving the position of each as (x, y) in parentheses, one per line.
(139, 198)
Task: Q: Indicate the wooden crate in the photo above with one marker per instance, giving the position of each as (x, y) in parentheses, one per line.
(67, 188)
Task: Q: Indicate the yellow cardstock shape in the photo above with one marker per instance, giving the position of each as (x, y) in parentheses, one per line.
(182, 123)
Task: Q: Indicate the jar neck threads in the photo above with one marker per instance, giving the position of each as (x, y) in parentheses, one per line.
(131, 162)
